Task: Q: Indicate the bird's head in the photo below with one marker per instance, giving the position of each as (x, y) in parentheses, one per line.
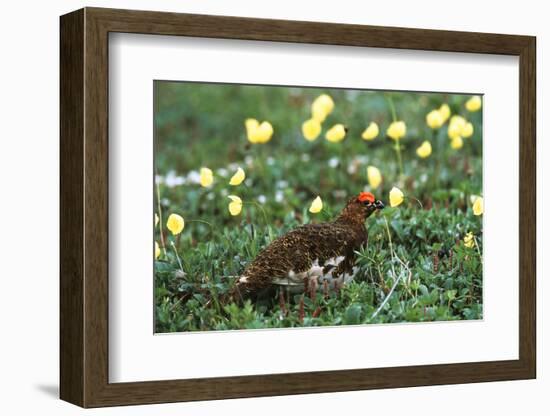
(360, 207)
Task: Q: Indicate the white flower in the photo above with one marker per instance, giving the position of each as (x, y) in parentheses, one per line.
(279, 196)
(353, 166)
(333, 162)
(193, 177)
(172, 180)
(281, 184)
(223, 172)
(248, 160)
(262, 199)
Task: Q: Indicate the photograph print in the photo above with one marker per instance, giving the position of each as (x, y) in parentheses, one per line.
(288, 207)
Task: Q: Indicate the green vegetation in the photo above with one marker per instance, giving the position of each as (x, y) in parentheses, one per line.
(416, 248)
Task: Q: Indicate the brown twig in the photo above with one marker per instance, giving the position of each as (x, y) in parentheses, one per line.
(337, 288)
(312, 290)
(301, 312)
(282, 304)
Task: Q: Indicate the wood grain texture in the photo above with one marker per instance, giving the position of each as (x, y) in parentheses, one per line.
(71, 213)
(528, 208)
(84, 207)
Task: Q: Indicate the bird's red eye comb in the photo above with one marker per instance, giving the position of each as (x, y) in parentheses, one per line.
(366, 196)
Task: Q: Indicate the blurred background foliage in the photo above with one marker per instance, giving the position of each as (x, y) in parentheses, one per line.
(202, 125)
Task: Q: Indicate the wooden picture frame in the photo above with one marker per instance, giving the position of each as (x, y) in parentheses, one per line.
(84, 207)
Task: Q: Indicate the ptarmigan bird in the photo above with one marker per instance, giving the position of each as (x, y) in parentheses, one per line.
(318, 252)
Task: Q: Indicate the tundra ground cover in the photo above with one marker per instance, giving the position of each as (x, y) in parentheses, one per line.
(237, 166)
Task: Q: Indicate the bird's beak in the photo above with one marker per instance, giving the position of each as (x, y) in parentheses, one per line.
(379, 204)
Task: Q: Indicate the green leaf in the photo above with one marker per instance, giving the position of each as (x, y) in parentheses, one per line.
(353, 314)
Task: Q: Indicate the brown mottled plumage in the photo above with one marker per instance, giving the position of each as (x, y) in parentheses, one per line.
(312, 250)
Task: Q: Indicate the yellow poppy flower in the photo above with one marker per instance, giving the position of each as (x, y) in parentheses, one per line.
(371, 132)
(396, 197)
(473, 198)
(322, 107)
(206, 177)
(397, 130)
(469, 240)
(456, 126)
(156, 219)
(424, 150)
(311, 129)
(251, 125)
(434, 119)
(473, 104)
(157, 250)
(236, 205)
(457, 143)
(175, 224)
(467, 130)
(374, 176)
(478, 206)
(258, 132)
(265, 131)
(445, 111)
(318, 113)
(336, 133)
(316, 205)
(237, 178)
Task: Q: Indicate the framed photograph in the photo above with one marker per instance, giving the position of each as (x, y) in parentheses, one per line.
(256, 207)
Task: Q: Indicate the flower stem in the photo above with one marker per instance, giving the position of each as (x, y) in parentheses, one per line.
(260, 207)
(397, 146)
(415, 199)
(478, 250)
(399, 159)
(440, 158)
(203, 222)
(162, 243)
(392, 107)
(177, 256)
(343, 172)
